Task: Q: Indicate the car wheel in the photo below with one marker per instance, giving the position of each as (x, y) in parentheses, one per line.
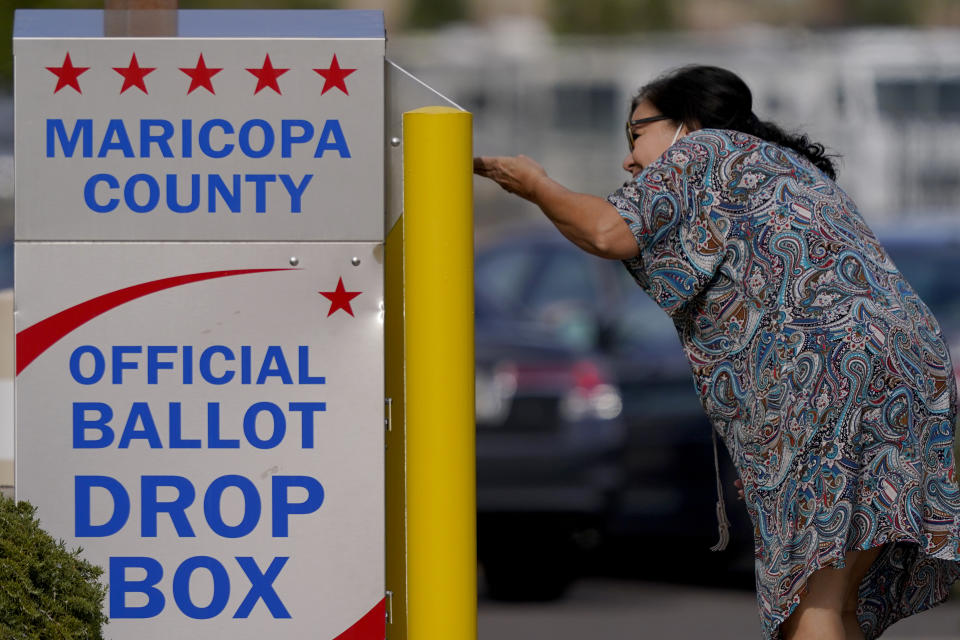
(526, 561)
(522, 577)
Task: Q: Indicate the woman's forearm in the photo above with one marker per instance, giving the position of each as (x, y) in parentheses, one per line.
(591, 223)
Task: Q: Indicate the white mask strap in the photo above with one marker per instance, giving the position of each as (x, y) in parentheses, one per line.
(676, 134)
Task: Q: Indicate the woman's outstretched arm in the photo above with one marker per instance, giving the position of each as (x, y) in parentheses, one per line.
(591, 223)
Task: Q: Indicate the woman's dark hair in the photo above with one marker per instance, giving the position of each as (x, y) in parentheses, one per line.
(713, 98)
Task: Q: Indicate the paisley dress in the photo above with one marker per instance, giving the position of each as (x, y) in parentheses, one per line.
(824, 374)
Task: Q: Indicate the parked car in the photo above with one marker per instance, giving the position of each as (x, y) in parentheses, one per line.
(550, 440)
(929, 258)
(556, 325)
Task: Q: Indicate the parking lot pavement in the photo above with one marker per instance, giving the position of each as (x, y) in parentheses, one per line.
(616, 609)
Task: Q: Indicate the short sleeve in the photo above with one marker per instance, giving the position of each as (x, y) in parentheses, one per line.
(671, 210)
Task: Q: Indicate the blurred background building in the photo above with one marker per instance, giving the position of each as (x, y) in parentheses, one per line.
(887, 101)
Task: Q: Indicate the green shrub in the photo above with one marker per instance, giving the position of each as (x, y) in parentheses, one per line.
(46, 591)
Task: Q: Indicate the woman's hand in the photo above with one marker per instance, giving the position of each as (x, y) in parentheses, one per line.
(591, 223)
(516, 174)
(738, 483)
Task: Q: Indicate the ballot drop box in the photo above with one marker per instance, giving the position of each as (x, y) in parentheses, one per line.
(199, 316)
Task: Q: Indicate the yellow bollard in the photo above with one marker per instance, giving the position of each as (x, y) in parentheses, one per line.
(439, 447)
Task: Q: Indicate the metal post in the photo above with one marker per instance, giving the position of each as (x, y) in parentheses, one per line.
(439, 362)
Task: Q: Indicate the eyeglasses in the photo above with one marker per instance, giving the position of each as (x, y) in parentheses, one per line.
(631, 137)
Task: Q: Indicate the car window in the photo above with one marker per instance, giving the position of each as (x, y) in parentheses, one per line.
(565, 298)
(567, 277)
(642, 321)
(924, 97)
(933, 275)
(502, 275)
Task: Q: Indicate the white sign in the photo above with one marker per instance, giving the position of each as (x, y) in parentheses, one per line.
(205, 416)
(223, 138)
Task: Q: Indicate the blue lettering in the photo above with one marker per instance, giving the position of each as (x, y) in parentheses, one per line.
(140, 414)
(250, 425)
(82, 133)
(204, 138)
(261, 587)
(331, 128)
(295, 190)
(181, 587)
(187, 138)
(82, 527)
(177, 508)
(154, 364)
(205, 371)
(120, 586)
(261, 180)
(188, 365)
(162, 140)
(308, 409)
(212, 506)
(99, 364)
(81, 424)
(176, 433)
(245, 369)
(213, 430)
(216, 138)
(90, 193)
(282, 508)
(216, 186)
(119, 364)
(116, 138)
(288, 139)
(303, 359)
(173, 202)
(268, 138)
(274, 364)
(130, 193)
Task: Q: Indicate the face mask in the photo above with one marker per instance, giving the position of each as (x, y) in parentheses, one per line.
(676, 134)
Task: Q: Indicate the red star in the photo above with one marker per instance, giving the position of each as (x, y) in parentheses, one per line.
(339, 298)
(267, 76)
(67, 74)
(200, 76)
(133, 74)
(333, 76)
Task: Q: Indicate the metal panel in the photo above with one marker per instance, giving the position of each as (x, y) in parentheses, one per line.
(301, 157)
(335, 572)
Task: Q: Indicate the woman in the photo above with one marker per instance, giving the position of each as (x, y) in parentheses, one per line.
(825, 375)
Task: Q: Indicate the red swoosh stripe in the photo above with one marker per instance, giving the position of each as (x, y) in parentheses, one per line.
(38, 337)
(372, 626)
